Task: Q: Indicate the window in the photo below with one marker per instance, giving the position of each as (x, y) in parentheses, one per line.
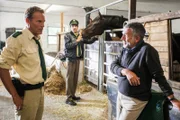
(52, 35)
(19, 29)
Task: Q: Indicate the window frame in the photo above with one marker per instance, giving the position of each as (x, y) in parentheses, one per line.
(52, 35)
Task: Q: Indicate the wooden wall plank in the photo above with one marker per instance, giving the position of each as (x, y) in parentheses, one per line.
(62, 43)
(158, 36)
(157, 17)
(160, 23)
(166, 74)
(159, 29)
(164, 62)
(147, 24)
(161, 48)
(165, 69)
(158, 43)
(163, 55)
(148, 29)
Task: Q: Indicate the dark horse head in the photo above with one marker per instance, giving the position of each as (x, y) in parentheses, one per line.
(101, 23)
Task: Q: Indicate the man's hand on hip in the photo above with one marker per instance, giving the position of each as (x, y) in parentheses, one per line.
(18, 102)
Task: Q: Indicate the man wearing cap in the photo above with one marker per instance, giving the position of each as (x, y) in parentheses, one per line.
(74, 48)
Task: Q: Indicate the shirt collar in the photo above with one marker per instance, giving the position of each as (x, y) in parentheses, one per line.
(75, 34)
(135, 47)
(30, 35)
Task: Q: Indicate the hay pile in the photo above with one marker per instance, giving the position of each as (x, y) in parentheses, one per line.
(84, 87)
(55, 83)
(105, 111)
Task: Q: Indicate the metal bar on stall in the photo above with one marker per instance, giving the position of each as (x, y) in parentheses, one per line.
(105, 85)
(107, 5)
(110, 53)
(113, 42)
(90, 59)
(105, 63)
(88, 50)
(90, 68)
(90, 77)
(114, 30)
(101, 64)
(110, 76)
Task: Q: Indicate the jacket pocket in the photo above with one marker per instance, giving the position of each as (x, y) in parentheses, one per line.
(31, 56)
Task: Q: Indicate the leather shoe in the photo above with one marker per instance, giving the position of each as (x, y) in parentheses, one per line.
(76, 98)
(70, 102)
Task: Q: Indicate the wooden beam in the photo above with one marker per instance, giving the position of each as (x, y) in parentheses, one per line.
(58, 42)
(132, 9)
(62, 29)
(170, 53)
(62, 21)
(157, 17)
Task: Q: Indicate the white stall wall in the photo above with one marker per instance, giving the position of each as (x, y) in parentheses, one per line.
(175, 26)
(0, 26)
(10, 20)
(17, 20)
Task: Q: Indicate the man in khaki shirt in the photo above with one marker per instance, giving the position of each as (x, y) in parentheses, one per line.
(22, 52)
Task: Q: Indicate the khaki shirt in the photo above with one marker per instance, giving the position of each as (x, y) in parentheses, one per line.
(22, 53)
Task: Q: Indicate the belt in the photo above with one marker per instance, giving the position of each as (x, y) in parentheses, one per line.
(31, 87)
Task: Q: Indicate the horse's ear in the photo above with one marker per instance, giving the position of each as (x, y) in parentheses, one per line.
(100, 16)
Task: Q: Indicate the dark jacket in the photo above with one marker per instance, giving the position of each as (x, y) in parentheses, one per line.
(144, 61)
(71, 44)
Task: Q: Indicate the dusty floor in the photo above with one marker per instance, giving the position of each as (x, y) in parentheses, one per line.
(93, 106)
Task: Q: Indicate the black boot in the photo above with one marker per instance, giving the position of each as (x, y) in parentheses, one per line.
(71, 102)
(76, 98)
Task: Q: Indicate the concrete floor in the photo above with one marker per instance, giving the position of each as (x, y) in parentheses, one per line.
(6, 105)
(93, 106)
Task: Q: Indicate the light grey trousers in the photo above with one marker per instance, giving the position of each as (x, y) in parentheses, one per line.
(72, 77)
(128, 108)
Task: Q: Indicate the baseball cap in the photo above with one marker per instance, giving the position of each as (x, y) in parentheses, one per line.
(73, 22)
